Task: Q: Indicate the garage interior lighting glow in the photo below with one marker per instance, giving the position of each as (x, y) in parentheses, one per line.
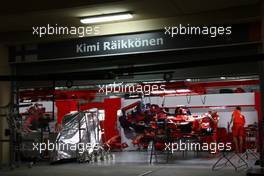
(106, 18)
(172, 91)
(183, 91)
(164, 91)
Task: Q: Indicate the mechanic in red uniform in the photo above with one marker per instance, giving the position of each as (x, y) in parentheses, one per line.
(214, 124)
(238, 121)
(35, 114)
(210, 124)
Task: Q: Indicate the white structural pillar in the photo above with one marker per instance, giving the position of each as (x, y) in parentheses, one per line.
(5, 95)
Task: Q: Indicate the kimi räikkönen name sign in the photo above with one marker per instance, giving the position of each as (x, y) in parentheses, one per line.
(121, 44)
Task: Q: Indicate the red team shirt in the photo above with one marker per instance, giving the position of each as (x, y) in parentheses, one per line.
(238, 123)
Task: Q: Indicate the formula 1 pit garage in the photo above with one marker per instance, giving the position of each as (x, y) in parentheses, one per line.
(140, 88)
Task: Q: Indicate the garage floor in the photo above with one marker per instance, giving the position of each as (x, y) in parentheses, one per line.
(131, 164)
(122, 170)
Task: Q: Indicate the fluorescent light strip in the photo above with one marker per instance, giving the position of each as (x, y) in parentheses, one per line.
(106, 18)
(183, 91)
(164, 91)
(171, 91)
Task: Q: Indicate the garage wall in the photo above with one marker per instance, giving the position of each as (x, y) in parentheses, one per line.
(5, 95)
(197, 100)
(46, 104)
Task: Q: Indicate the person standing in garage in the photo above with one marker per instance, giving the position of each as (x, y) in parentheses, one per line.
(238, 120)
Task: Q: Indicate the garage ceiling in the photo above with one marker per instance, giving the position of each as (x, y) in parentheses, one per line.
(194, 6)
(17, 18)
